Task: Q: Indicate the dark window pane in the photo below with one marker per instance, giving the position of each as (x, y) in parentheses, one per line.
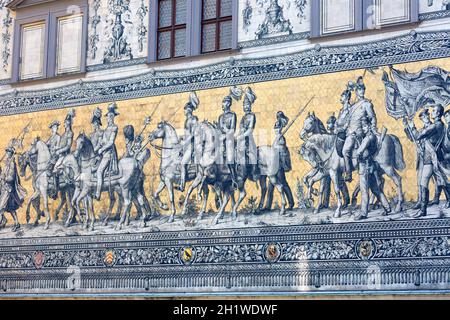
(180, 11)
(225, 35)
(225, 8)
(164, 45)
(165, 13)
(180, 42)
(209, 38)
(209, 9)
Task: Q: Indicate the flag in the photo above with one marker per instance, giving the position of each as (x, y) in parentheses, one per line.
(408, 92)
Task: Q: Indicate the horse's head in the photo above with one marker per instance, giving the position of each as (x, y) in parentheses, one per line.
(33, 146)
(159, 132)
(308, 125)
(83, 146)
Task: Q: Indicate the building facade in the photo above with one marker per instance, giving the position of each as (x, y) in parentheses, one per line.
(317, 128)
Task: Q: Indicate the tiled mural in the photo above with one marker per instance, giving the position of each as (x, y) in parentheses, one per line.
(308, 172)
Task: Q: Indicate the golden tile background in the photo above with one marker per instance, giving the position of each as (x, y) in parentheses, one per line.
(288, 95)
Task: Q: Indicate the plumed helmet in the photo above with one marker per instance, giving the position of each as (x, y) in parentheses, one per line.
(97, 116)
(194, 101)
(250, 96)
(228, 100)
(236, 93)
(70, 115)
(282, 119)
(360, 83)
(128, 132)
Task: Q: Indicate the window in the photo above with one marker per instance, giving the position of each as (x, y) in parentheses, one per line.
(330, 17)
(216, 25)
(49, 40)
(32, 51)
(69, 44)
(180, 28)
(171, 29)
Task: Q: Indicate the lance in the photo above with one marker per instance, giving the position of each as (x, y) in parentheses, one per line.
(18, 141)
(296, 117)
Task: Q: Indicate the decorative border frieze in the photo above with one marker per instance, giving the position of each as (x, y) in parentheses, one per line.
(411, 47)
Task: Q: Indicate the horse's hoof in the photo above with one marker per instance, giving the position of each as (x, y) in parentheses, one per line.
(143, 224)
(36, 223)
(171, 219)
(398, 208)
(337, 214)
(118, 227)
(46, 226)
(215, 221)
(316, 211)
(105, 222)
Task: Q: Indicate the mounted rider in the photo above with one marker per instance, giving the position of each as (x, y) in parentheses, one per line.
(55, 138)
(362, 109)
(245, 142)
(188, 139)
(227, 124)
(97, 131)
(107, 151)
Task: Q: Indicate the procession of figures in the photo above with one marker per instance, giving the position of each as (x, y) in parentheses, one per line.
(222, 156)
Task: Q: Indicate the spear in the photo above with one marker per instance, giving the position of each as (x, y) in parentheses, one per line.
(18, 141)
(296, 117)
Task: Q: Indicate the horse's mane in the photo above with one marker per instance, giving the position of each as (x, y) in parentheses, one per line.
(324, 142)
(87, 148)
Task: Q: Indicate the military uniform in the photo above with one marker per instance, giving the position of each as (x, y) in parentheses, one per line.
(109, 159)
(53, 143)
(432, 138)
(246, 147)
(227, 125)
(367, 170)
(12, 194)
(359, 111)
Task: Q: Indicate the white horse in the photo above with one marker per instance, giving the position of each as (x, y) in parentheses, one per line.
(39, 151)
(124, 182)
(170, 166)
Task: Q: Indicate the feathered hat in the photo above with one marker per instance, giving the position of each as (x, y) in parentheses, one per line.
(194, 101)
(360, 83)
(54, 123)
(112, 108)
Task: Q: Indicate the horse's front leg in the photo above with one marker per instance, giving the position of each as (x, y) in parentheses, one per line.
(126, 207)
(219, 214)
(337, 190)
(205, 201)
(35, 201)
(173, 210)
(139, 198)
(112, 201)
(263, 186)
(194, 185)
(61, 204)
(90, 211)
(43, 191)
(160, 188)
(242, 195)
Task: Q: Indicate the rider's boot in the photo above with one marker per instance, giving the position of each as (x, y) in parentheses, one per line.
(437, 196)
(99, 188)
(423, 203)
(348, 169)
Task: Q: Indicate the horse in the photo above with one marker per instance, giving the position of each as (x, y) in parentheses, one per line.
(320, 150)
(170, 166)
(213, 172)
(124, 182)
(37, 158)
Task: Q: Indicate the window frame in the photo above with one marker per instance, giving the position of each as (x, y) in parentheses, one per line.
(362, 18)
(48, 12)
(172, 28)
(194, 17)
(217, 20)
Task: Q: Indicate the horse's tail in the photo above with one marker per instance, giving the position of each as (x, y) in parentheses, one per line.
(399, 161)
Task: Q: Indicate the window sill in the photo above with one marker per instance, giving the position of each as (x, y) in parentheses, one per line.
(196, 58)
(61, 77)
